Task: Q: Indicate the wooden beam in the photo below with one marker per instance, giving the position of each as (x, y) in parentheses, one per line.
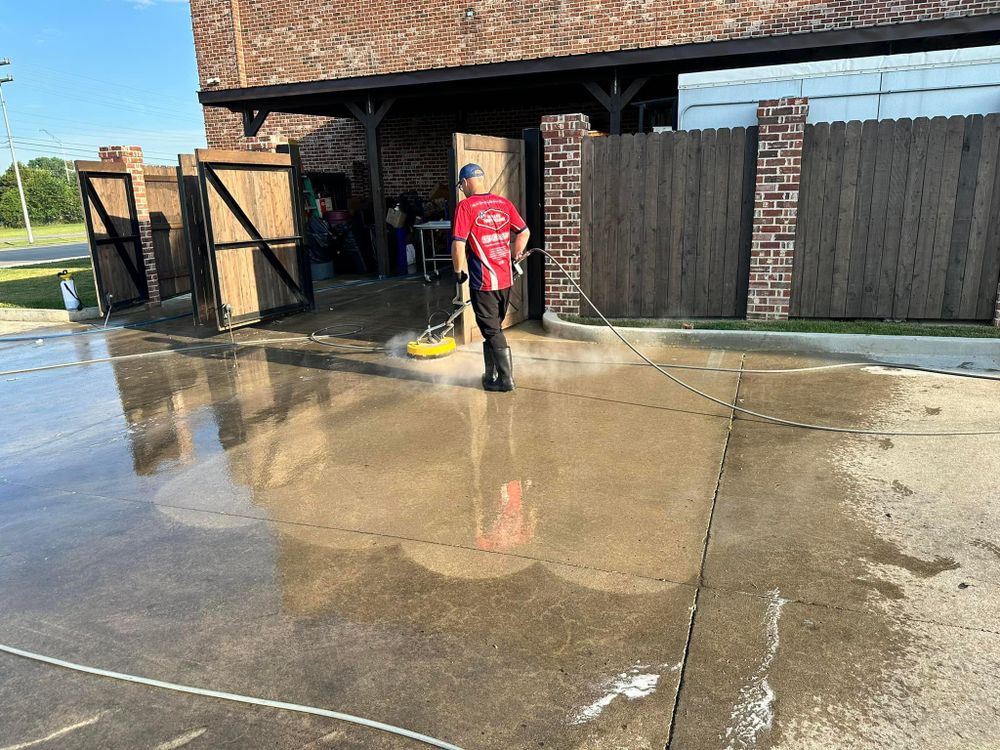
(252, 121)
(632, 90)
(370, 118)
(599, 94)
(615, 101)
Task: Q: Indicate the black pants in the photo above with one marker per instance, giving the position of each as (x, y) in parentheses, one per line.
(490, 309)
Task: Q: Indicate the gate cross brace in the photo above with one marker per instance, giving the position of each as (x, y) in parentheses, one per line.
(118, 240)
(615, 100)
(266, 250)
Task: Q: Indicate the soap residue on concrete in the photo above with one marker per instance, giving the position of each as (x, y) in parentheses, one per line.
(633, 684)
(754, 710)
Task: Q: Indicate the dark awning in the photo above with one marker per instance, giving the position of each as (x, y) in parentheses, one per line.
(538, 79)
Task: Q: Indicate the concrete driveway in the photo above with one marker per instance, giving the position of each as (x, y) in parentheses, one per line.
(600, 560)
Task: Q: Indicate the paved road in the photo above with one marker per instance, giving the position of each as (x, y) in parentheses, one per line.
(21, 255)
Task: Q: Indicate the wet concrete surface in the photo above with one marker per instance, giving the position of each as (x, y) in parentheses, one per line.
(339, 528)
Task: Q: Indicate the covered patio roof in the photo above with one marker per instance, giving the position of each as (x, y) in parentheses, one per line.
(540, 78)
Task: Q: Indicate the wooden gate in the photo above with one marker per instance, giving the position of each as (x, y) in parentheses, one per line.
(899, 219)
(666, 223)
(189, 195)
(113, 234)
(252, 212)
(502, 159)
(169, 243)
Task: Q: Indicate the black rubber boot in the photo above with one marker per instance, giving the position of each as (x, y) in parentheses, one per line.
(490, 374)
(505, 370)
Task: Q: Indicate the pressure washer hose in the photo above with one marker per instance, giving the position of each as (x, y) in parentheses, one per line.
(360, 721)
(318, 337)
(735, 407)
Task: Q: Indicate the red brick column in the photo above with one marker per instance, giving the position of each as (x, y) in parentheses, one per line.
(779, 166)
(563, 148)
(131, 157)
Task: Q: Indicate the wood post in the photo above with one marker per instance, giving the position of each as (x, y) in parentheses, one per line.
(370, 117)
(615, 100)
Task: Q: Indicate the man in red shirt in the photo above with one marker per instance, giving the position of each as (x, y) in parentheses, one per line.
(481, 241)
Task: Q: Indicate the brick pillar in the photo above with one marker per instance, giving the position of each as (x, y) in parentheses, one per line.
(563, 148)
(779, 167)
(131, 157)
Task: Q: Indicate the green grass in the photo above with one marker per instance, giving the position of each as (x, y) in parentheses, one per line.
(36, 286)
(49, 234)
(870, 327)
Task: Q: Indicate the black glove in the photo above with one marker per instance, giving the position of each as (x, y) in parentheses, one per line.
(462, 277)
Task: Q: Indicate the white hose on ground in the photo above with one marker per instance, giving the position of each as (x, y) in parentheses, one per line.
(316, 337)
(740, 409)
(360, 721)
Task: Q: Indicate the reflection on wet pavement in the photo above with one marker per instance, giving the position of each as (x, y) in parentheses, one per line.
(375, 535)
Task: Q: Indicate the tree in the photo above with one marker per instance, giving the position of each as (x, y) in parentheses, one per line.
(49, 198)
(55, 166)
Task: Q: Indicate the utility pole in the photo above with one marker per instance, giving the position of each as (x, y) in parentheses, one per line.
(13, 155)
(62, 150)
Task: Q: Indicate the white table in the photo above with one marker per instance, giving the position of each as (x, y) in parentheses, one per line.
(434, 258)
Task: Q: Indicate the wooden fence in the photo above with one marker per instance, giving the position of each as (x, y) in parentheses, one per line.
(899, 219)
(666, 222)
(169, 243)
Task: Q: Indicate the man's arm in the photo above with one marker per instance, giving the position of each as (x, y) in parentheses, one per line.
(521, 243)
(458, 255)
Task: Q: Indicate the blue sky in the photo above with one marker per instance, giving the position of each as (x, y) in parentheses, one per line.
(100, 72)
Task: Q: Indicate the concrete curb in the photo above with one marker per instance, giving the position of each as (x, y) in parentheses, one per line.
(862, 345)
(28, 315)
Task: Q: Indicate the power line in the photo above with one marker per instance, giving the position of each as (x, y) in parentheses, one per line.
(139, 108)
(110, 98)
(67, 75)
(83, 152)
(160, 135)
(77, 144)
(105, 89)
(89, 155)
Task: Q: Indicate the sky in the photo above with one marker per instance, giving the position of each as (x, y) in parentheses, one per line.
(99, 72)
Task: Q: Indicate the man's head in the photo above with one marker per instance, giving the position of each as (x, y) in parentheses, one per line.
(472, 179)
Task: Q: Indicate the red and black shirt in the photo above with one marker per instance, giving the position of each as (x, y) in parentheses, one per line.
(485, 222)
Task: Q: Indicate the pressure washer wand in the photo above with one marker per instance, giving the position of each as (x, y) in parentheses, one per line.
(435, 334)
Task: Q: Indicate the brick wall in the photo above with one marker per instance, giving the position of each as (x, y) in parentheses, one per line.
(562, 137)
(779, 165)
(280, 41)
(131, 157)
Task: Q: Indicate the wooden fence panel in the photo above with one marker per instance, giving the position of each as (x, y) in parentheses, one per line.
(667, 222)
(899, 219)
(169, 242)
